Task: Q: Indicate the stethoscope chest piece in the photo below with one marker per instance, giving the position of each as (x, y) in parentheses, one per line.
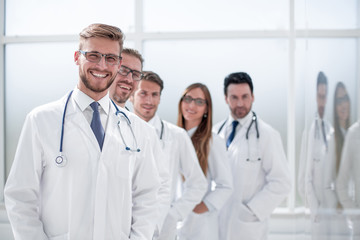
(60, 160)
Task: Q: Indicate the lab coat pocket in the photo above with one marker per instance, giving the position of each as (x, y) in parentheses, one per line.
(247, 230)
(124, 164)
(60, 237)
(250, 170)
(195, 226)
(246, 215)
(124, 237)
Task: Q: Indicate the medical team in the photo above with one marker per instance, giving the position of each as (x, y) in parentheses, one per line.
(88, 168)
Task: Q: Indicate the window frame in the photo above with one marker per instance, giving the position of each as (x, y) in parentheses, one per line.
(139, 36)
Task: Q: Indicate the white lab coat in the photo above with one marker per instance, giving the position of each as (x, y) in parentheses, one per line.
(162, 163)
(98, 195)
(205, 226)
(183, 162)
(318, 173)
(349, 194)
(259, 186)
(348, 179)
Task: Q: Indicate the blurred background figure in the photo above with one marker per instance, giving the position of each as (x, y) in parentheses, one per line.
(341, 119)
(347, 161)
(316, 178)
(333, 220)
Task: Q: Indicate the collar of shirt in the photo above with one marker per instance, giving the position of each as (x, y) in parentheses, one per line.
(122, 109)
(343, 131)
(156, 123)
(242, 122)
(84, 101)
(192, 131)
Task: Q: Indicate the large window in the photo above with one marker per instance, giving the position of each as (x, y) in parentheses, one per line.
(282, 44)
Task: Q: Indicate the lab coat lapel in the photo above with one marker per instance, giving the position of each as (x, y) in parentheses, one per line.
(109, 151)
(222, 128)
(76, 117)
(111, 133)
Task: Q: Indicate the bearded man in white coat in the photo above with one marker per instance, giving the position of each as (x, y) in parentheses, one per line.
(183, 162)
(316, 178)
(94, 188)
(261, 177)
(125, 83)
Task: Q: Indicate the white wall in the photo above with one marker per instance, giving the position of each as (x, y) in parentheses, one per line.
(188, 41)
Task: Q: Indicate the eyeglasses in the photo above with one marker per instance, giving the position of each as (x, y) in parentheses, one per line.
(341, 100)
(96, 57)
(198, 101)
(136, 75)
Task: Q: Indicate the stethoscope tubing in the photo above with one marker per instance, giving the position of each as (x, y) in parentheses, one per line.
(253, 120)
(63, 122)
(61, 159)
(129, 124)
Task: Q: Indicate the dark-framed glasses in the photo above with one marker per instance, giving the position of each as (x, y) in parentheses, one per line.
(96, 57)
(136, 75)
(198, 101)
(340, 100)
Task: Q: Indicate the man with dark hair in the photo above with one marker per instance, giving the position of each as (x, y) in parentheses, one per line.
(261, 176)
(72, 177)
(321, 94)
(316, 182)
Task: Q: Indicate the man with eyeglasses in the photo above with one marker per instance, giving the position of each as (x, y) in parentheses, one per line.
(184, 166)
(129, 74)
(125, 83)
(260, 172)
(72, 176)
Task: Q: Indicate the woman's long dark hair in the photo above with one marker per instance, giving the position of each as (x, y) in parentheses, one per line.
(202, 136)
(339, 137)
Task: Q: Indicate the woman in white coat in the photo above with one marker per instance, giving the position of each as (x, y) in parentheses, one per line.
(195, 115)
(348, 179)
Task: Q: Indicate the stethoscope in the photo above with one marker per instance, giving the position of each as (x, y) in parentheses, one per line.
(162, 129)
(61, 160)
(251, 157)
(122, 114)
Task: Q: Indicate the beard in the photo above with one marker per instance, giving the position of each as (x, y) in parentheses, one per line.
(93, 88)
(240, 112)
(120, 98)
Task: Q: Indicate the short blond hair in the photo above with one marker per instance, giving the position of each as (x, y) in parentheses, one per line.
(102, 31)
